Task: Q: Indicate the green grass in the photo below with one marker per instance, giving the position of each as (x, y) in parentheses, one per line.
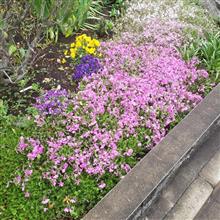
(13, 204)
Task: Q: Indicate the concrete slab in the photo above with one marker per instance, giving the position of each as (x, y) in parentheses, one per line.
(191, 201)
(183, 179)
(211, 209)
(211, 172)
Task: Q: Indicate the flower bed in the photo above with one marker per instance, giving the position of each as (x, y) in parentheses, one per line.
(81, 144)
(86, 142)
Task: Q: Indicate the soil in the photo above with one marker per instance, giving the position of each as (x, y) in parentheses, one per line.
(47, 73)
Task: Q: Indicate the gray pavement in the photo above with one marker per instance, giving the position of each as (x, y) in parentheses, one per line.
(194, 193)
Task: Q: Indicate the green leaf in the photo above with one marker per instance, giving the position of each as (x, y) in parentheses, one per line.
(12, 49)
(22, 52)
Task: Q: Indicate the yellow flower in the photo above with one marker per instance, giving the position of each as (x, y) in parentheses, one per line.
(78, 44)
(90, 50)
(63, 61)
(80, 37)
(73, 55)
(72, 45)
(91, 44)
(66, 52)
(88, 39)
(96, 42)
(73, 50)
(66, 200)
(50, 205)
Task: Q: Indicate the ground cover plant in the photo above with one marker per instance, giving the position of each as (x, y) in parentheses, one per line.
(72, 146)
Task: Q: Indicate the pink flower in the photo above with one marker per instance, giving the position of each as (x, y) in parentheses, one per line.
(73, 200)
(45, 201)
(27, 195)
(61, 184)
(17, 179)
(28, 172)
(126, 167)
(128, 152)
(102, 185)
(67, 209)
(22, 145)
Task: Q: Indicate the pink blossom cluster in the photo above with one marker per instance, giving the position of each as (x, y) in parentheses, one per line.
(141, 86)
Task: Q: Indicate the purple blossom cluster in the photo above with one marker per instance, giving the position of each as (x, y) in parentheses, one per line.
(53, 102)
(141, 86)
(35, 148)
(87, 66)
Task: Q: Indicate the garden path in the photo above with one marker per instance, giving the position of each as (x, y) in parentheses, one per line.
(194, 193)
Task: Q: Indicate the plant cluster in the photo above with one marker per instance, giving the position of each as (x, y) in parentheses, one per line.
(70, 16)
(72, 148)
(87, 66)
(24, 25)
(52, 102)
(94, 137)
(83, 45)
(207, 50)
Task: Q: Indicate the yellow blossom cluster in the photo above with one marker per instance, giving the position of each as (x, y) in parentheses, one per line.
(82, 45)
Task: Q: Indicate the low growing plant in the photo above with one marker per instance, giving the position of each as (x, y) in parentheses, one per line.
(84, 143)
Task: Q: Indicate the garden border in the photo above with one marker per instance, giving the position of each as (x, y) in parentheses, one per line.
(133, 195)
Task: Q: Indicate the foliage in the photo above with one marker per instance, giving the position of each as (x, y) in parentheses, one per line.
(18, 38)
(84, 143)
(71, 15)
(23, 25)
(58, 161)
(207, 50)
(117, 7)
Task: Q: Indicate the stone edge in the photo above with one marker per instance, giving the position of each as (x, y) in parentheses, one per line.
(133, 195)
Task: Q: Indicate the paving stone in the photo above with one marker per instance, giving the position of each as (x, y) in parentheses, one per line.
(183, 179)
(210, 212)
(191, 201)
(171, 194)
(211, 172)
(205, 153)
(211, 209)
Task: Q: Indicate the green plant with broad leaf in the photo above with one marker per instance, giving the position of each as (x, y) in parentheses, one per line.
(207, 50)
(68, 16)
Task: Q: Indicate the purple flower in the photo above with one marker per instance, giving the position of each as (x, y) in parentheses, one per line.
(87, 66)
(53, 102)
